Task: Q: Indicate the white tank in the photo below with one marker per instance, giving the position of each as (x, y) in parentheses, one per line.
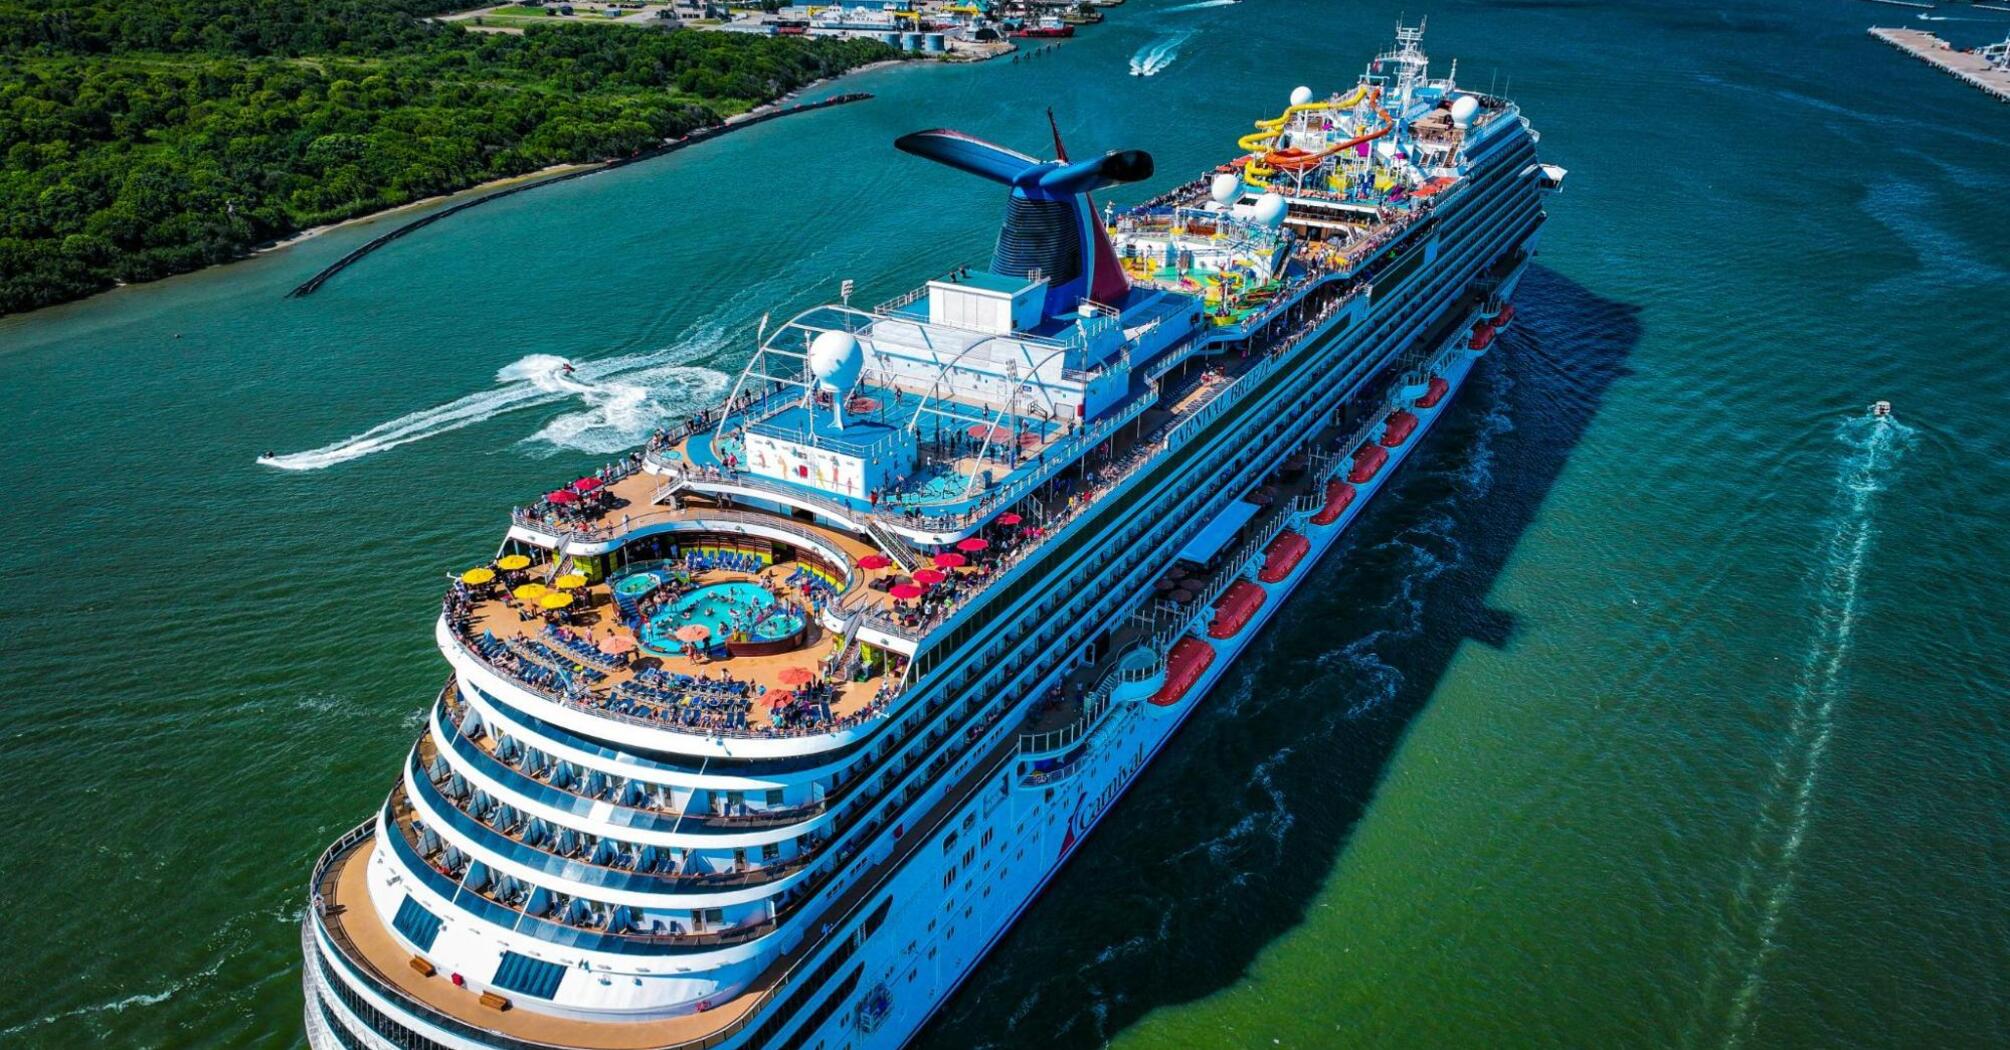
(836, 360)
(1226, 188)
(1269, 210)
(1300, 95)
(1463, 109)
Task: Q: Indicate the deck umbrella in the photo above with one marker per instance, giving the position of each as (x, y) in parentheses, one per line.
(780, 699)
(513, 562)
(950, 560)
(973, 544)
(795, 677)
(615, 645)
(477, 577)
(554, 600)
(1009, 518)
(693, 632)
(562, 497)
(928, 577)
(531, 592)
(586, 484)
(570, 581)
(905, 591)
(874, 561)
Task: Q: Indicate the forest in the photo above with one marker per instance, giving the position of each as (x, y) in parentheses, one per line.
(143, 138)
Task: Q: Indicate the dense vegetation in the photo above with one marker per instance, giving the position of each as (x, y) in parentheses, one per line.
(141, 138)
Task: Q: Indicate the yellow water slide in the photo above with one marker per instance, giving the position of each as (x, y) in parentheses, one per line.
(1267, 132)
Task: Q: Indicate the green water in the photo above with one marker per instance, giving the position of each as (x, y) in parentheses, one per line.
(1660, 705)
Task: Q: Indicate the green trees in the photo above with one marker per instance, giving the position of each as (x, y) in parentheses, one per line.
(142, 138)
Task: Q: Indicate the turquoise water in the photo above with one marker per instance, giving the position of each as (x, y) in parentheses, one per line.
(1658, 704)
(723, 608)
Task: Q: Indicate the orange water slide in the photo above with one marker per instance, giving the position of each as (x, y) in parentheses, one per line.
(1293, 159)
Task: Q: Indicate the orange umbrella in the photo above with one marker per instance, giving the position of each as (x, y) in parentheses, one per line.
(693, 632)
(795, 677)
(617, 644)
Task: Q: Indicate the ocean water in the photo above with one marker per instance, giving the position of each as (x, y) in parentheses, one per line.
(1660, 704)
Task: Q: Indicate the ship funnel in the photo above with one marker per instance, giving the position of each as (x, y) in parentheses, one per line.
(1048, 227)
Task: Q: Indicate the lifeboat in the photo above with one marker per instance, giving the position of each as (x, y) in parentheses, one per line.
(1338, 495)
(1398, 428)
(1184, 665)
(1283, 556)
(1483, 337)
(1367, 460)
(1504, 317)
(1439, 388)
(1234, 608)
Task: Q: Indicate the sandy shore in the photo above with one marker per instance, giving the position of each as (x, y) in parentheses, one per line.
(427, 202)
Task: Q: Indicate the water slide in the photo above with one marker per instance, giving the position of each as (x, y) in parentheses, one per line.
(1258, 170)
(1267, 129)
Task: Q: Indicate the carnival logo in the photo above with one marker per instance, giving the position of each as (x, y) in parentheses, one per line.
(1089, 808)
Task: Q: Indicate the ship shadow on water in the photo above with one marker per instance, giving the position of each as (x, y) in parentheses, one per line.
(1224, 842)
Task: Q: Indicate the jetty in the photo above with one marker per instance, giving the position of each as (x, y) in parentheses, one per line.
(1971, 66)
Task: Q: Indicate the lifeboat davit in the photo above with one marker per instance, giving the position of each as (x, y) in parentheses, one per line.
(1338, 495)
(1283, 556)
(1439, 388)
(1483, 337)
(1398, 428)
(1234, 608)
(1367, 460)
(1184, 665)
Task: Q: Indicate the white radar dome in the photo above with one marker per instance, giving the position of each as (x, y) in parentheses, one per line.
(836, 360)
(1270, 209)
(1226, 188)
(1463, 109)
(1300, 95)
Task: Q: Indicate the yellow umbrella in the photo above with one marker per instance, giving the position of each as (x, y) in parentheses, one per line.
(531, 592)
(476, 577)
(570, 581)
(513, 562)
(555, 600)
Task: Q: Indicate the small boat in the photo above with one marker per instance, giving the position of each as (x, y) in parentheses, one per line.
(1880, 409)
(1398, 428)
(1367, 461)
(1436, 393)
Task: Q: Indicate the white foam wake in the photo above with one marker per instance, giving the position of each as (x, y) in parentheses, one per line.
(1873, 447)
(1152, 59)
(624, 397)
(1202, 5)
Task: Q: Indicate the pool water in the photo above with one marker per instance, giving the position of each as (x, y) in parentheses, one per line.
(725, 608)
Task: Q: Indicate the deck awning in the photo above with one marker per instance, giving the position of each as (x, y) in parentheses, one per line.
(1211, 539)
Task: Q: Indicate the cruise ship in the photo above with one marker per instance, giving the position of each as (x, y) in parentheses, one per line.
(764, 735)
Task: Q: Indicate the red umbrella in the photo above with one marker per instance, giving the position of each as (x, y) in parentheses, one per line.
(795, 676)
(1009, 518)
(929, 577)
(562, 496)
(874, 561)
(780, 699)
(950, 560)
(905, 591)
(587, 484)
(973, 544)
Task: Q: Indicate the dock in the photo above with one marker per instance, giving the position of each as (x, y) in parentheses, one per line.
(1967, 65)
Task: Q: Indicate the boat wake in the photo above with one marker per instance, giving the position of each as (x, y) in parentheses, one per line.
(1153, 58)
(623, 397)
(1202, 5)
(1873, 446)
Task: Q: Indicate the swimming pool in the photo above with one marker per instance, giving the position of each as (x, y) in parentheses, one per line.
(725, 608)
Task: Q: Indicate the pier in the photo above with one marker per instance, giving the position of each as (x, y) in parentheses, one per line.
(1969, 66)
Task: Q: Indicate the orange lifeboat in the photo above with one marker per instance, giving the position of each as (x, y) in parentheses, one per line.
(1505, 317)
(1483, 337)
(1367, 460)
(1186, 662)
(1234, 608)
(1439, 388)
(1283, 556)
(1338, 495)
(1398, 427)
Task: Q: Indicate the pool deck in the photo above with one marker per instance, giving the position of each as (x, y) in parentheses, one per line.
(501, 615)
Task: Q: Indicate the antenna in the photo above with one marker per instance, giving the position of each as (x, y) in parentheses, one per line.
(844, 290)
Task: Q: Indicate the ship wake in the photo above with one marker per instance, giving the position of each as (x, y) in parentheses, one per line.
(1153, 58)
(1873, 447)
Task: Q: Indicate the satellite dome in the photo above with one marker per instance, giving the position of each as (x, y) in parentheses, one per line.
(836, 360)
(1226, 188)
(1463, 109)
(1300, 95)
(1270, 209)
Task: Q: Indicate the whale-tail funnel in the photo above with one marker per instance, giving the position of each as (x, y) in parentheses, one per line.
(1047, 221)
